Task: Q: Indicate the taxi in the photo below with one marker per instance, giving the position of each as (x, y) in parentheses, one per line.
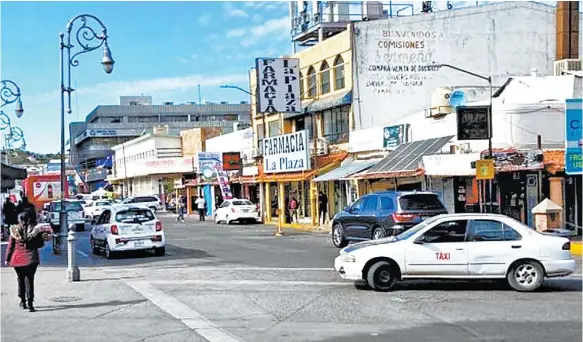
(459, 246)
(123, 227)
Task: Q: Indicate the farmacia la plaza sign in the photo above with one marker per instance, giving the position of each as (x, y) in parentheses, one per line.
(286, 153)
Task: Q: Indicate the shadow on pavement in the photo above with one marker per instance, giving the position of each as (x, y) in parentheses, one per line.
(88, 305)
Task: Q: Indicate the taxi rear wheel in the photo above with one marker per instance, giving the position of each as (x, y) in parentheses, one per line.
(94, 248)
(526, 276)
(381, 276)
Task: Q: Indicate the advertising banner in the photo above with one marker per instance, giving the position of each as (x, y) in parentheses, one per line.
(573, 136)
(209, 163)
(278, 81)
(286, 153)
(394, 136)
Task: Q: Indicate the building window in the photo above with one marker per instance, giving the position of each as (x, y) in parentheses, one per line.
(259, 134)
(143, 119)
(302, 86)
(312, 91)
(274, 128)
(336, 124)
(174, 118)
(324, 78)
(338, 73)
(305, 123)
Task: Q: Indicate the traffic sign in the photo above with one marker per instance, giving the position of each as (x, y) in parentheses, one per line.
(485, 169)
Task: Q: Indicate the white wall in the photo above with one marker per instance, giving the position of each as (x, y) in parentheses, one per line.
(238, 141)
(499, 39)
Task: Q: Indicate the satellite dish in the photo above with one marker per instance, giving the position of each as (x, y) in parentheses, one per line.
(457, 98)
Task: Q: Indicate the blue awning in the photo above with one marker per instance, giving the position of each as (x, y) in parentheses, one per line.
(331, 101)
(346, 170)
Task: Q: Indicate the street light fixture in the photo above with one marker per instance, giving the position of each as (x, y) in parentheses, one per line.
(228, 86)
(87, 39)
(489, 80)
(10, 93)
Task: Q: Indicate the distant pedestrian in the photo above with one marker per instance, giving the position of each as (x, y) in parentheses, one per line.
(323, 205)
(293, 210)
(201, 206)
(10, 217)
(22, 254)
(180, 208)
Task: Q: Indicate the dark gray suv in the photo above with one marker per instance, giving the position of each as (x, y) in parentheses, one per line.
(384, 214)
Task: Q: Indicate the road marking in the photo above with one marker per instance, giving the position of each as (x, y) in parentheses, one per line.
(250, 282)
(189, 317)
(83, 253)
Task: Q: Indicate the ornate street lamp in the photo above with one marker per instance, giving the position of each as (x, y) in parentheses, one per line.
(90, 35)
(10, 93)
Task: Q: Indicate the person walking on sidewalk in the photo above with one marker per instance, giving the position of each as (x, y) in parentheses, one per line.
(293, 210)
(22, 254)
(323, 205)
(10, 217)
(201, 206)
(180, 209)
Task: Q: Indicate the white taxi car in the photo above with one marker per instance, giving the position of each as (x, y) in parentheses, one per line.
(123, 227)
(94, 209)
(459, 246)
(236, 210)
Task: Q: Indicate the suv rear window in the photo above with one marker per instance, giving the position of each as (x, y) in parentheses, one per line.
(134, 215)
(69, 206)
(420, 202)
(242, 203)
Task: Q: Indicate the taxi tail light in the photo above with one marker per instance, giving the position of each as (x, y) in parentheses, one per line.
(233, 209)
(567, 246)
(158, 226)
(403, 217)
(114, 230)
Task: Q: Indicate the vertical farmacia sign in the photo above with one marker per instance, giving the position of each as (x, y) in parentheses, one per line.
(278, 81)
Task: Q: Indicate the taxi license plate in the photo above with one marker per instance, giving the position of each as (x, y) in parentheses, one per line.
(245, 210)
(139, 243)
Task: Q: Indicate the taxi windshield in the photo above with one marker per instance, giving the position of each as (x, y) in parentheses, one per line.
(134, 215)
(408, 233)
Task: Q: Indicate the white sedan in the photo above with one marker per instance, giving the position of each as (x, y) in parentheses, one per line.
(460, 246)
(94, 209)
(123, 228)
(236, 210)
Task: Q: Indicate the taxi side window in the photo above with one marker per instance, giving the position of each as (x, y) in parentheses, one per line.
(488, 230)
(104, 217)
(224, 204)
(451, 231)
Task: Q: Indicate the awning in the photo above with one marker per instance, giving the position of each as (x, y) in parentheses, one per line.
(554, 160)
(449, 165)
(406, 160)
(327, 102)
(346, 170)
(10, 174)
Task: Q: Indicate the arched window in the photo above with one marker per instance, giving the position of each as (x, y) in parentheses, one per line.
(338, 73)
(324, 78)
(301, 86)
(312, 82)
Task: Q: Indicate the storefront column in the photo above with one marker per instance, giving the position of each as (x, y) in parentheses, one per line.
(262, 202)
(314, 202)
(188, 201)
(281, 203)
(556, 193)
(267, 202)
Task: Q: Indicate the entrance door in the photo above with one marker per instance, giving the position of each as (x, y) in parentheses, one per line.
(441, 252)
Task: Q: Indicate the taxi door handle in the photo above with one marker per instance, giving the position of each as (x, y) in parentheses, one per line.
(459, 249)
(516, 246)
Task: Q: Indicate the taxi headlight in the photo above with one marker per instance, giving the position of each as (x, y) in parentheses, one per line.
(349, 258)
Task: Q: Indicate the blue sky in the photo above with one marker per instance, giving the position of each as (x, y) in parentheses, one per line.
(163, 49)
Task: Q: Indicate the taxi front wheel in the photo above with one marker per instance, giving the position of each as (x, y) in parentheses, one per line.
(381, 276)
(525, 276)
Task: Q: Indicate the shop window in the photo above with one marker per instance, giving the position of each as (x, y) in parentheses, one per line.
(324, 78)
(302, 86)
(274, 128)
(259, 132)
(305, 123)
(312, 91)
(339, 73)
(336, 124)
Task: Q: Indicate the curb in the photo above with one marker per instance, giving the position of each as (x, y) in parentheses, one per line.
(302, 228)
(576, 248)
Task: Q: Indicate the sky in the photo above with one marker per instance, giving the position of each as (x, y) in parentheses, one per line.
(162, 49)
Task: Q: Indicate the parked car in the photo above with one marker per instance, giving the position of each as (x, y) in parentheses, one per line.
(122, 228)
(236, 210)
(94, 209)
(151, 202)
(384, 214)
(75, 214)
(460, 246)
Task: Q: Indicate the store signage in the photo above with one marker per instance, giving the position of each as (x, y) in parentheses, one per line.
(485, 169)
(473, 123)
(209, 164)
(512, 159)
(232, 161)
(92, 133)
(394, 136)
(278, 83)
(573, 136)
(286, 153)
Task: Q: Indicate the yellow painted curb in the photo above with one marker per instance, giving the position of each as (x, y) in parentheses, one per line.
(295, 226)
(576, 248)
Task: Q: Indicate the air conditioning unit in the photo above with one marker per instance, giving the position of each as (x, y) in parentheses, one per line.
(564, 65)
(322, 147)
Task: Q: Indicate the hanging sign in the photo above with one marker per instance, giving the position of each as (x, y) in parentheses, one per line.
(278, 84)
(573, 136)
(473, 123)
(286, 153)
(484, 169)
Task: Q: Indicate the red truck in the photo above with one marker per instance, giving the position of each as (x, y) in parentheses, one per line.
(42, 189)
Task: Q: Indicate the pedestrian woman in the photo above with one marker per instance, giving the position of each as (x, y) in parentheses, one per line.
(180, 203)
(22, 254)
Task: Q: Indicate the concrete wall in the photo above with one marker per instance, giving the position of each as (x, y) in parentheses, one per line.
(232, 142)
(499, 39)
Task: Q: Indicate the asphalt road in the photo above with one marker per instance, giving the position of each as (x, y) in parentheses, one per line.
(241, 283)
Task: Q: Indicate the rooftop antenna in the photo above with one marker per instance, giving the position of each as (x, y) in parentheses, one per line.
(199, 98)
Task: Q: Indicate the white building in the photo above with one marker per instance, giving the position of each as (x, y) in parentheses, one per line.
(140, 164)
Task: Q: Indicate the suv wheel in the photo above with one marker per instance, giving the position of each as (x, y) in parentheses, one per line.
(338, 238)
(378, 233)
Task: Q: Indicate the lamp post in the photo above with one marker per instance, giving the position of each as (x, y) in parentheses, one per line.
(87, 38)
(10, 93)
(489, 80)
